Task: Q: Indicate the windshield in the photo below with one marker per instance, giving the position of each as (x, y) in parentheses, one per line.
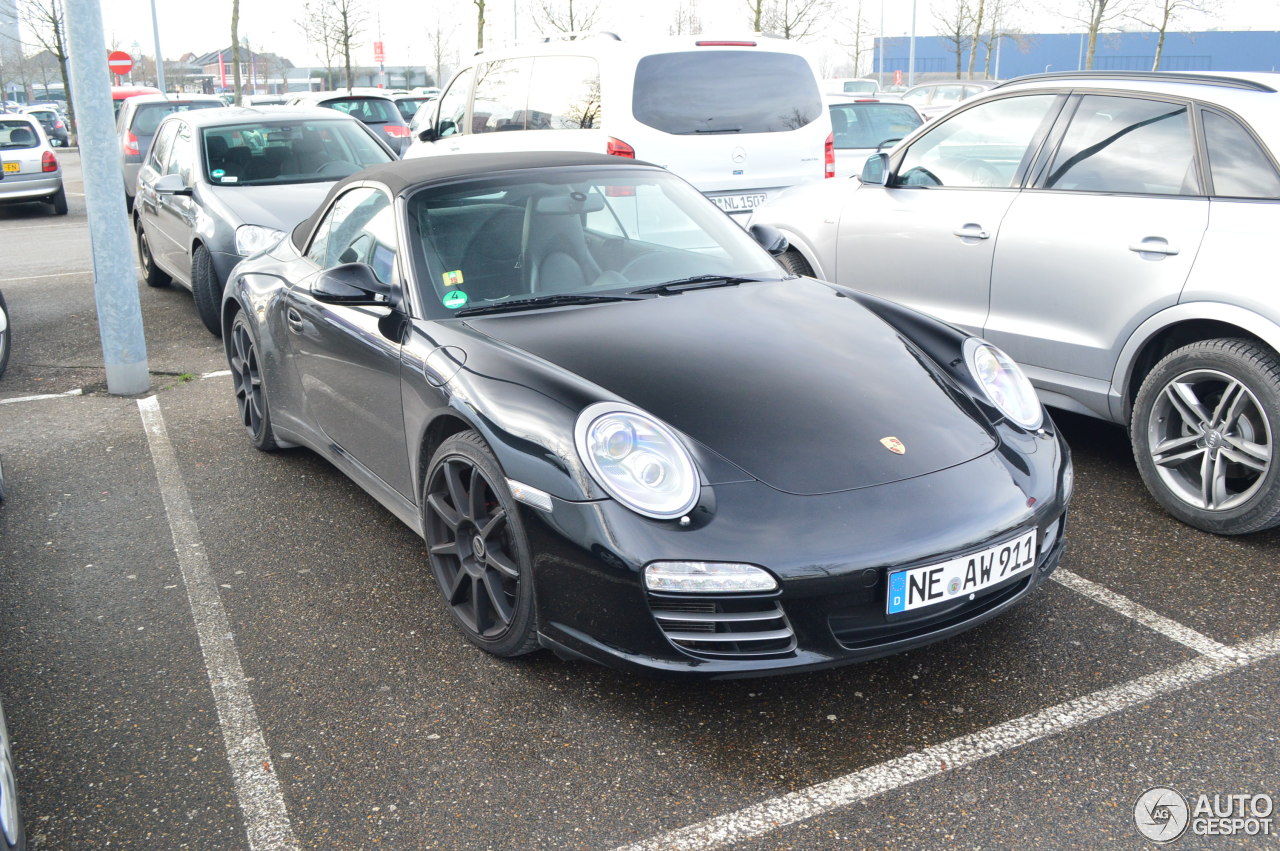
(574, 232)
(729, 91)
(408, 106)
(868, 125)
(368, 110)
(269, 153)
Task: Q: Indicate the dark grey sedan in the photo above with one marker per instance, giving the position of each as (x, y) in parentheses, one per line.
(220, 185)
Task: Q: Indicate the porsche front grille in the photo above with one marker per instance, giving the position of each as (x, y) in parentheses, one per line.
(725, 627)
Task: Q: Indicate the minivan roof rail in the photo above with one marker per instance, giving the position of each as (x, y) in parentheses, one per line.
(1148, 77)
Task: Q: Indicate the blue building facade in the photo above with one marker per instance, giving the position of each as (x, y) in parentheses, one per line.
(1130, 51)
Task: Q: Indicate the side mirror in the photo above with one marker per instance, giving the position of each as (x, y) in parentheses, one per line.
(428, 133)
(770, 239)
(171, 184)
(352, 283)
(875, 171)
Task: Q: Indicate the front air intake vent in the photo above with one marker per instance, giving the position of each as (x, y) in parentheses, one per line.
(723, 628)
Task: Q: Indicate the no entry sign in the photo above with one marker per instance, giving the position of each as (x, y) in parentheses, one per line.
(119, 62)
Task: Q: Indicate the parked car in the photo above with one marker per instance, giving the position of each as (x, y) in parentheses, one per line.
(1104, 229)
(52, 122)
(627, 435)
(409, 104)
(11, 829)
(942, 96)
(119, 94)
(265, 100)
(740, 119)
(863, 126)
(377, 111)
(136, 125)
(221, 185)
(30, 167)
(858, 86)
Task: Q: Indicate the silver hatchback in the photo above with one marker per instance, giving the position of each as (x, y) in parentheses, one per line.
(1107, 230)
(30, 170)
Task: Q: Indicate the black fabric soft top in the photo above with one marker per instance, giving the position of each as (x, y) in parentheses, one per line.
(401, 175)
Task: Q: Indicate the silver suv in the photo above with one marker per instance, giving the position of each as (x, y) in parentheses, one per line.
(1107, 230)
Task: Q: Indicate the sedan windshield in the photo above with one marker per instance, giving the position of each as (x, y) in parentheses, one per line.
(581, 232)
(269, 153)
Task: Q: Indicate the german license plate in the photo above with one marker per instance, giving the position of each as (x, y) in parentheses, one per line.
(960, 577)
(11, 167)
(739, 203)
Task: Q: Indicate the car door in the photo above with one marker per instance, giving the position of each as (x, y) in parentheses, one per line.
(1104, 239)
(347, 357)
(927, 238)
(153, 167)
(175, 215)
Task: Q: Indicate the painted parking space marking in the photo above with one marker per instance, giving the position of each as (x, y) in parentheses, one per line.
(770, 815)
(1170, 629)
(257, 788)
(42, 397)
(51, 275)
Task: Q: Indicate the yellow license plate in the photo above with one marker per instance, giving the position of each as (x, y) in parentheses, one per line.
(12, 167)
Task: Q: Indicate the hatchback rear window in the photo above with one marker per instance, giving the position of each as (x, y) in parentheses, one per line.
(18, 134)
(149, 116)
(729, 92)
(368, 110)
(869, 125)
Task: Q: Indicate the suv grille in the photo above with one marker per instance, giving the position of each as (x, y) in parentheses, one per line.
(725, 627)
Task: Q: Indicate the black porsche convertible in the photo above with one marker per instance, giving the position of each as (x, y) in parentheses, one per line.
(626, 434)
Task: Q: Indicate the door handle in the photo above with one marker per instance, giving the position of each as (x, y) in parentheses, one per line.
(971, 232)
(294, 319)
(1154, 245)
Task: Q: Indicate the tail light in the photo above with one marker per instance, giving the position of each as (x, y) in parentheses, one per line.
(398, 131)
(619, 148)
(48, 162)
(131, 145)
(829, 155)
(57, 125)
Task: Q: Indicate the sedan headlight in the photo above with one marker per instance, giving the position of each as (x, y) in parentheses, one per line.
(637, 460)
(707, 577)
(1004, 383)
(253, 239)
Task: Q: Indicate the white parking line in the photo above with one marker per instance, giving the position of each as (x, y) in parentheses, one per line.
(68, 394)
(1170, 629)
(221, 373)
(797, 806)
(54, 275)
(261, 802)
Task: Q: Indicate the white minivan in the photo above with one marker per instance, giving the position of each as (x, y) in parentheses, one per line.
(740, 119)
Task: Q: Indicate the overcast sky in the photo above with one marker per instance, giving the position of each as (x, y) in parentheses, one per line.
(187, 27)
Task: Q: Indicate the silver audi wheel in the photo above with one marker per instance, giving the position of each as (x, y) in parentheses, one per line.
(1204, 433)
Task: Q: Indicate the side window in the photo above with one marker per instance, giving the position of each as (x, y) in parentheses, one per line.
(919, 97)
(360, 228)
(453, 105)
(502, 93)
(564, 94)
(1130, 145)
(1239, 167)
(985, 146)
(160, 146)
(948, 94)
(182, 156)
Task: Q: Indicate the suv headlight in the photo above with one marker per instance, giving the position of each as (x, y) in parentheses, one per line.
(252, 239)
(1004, 383)
(637, 460)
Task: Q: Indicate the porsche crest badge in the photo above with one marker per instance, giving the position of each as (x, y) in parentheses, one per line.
(894, 445)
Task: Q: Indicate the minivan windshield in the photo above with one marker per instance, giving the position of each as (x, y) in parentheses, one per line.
(725, 91)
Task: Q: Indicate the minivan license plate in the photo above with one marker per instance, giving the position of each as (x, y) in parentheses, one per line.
(960, 577)
(739, 203)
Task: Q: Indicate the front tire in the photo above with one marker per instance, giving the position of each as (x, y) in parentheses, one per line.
(478, 548)
(250, 389)
(1204, 432)
(206, 290)
(793, 261)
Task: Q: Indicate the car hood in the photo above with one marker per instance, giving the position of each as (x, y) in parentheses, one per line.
(796, 384)
(280, 207)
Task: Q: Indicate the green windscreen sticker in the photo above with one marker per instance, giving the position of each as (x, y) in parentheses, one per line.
(455, 299)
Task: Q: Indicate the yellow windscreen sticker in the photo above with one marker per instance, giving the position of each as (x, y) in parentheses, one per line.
(452, 279)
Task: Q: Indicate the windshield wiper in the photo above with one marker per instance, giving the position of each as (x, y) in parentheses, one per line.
(721, 130)
(697, 282)
(542, 301)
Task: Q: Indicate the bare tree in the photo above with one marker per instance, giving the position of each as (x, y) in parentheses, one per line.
(686, 21)
(997, 12)
(797, 19)
(318, 29)
(1098, 16)
(567, 17)
(440, 39)
(1162, 14)
(979, 15)
(757, 9)
(45, 20)
(856, 29)
(479, 23)
(349, 19)
(955, 28)
(235, 51)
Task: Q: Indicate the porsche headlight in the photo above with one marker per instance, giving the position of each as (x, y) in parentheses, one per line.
(1004, 383)
(702, 577)
(637, 460)
(252, 239)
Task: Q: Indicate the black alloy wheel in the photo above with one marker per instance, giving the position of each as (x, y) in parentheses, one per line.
(477, 546)
(207, 290)
(1205, 429)
(246, 379)
(150, 272)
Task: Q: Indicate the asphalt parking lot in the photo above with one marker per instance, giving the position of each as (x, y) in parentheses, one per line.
(205, 646)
